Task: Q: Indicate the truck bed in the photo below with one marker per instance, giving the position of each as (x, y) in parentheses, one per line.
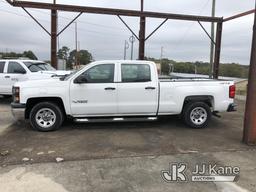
(186, 79)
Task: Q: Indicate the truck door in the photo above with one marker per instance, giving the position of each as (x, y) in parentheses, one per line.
(137, 90)
(2, 78)
(96, 93)
(15, 72)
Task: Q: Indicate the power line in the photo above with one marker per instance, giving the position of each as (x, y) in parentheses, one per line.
(181, 40)
(80, 28)
(81, 21)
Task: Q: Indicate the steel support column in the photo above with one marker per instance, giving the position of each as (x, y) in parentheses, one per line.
(142, 38)
(216, 64)
(249, 136)
(142, 34)
(54, 38)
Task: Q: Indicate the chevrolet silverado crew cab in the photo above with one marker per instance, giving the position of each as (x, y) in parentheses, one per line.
(12, 71)
(119, 91)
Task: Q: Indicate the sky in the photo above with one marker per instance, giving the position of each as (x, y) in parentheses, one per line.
(104, 35)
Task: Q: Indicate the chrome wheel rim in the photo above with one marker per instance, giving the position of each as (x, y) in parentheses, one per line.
(198, 115)
(45, 117)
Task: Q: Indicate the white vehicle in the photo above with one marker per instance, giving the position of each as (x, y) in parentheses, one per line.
(12, 71)
(119, 91)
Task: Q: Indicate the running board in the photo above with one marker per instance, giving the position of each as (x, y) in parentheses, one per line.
(115, 119)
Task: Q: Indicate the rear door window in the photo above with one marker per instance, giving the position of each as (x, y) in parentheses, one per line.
(135, 73)
(15, 67)
(2, 64)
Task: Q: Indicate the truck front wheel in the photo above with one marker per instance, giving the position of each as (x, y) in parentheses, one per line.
(46, 116)
(197, 114)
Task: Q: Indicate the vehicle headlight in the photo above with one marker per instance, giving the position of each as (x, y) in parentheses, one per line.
(16, 94)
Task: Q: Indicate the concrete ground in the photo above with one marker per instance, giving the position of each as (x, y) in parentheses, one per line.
(5, 114)
(120, 156)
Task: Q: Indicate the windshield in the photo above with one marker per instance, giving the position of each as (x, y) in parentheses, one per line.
(39, 66)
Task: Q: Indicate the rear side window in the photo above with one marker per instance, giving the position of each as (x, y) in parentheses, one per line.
(15, 67)
(2, 64)
(135, 73)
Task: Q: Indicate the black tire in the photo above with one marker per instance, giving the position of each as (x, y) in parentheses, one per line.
(197, 114)
(50, 108)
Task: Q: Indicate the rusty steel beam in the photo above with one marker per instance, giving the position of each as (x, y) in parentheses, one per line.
(216, 63)
(249, 134)
(37, 21)
(9, 1)
(156, 29)
(70, 23)
(142, 38)
(54, 38)
(142, 34)
(206, 32)
(128, 27)
(239, 15)
(110, 11)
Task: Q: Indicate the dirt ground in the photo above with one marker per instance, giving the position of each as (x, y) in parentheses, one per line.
(94, 149)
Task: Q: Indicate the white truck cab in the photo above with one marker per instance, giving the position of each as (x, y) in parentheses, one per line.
(15, 70)
(120, 91)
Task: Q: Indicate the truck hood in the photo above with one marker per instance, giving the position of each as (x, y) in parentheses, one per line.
(45, 83)
(57, 72)
(47, 74)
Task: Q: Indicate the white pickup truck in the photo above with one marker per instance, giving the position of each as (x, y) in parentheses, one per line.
(119, 91)
(14, 70)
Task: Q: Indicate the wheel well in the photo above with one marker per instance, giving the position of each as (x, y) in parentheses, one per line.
(33, 101)
(209, 100)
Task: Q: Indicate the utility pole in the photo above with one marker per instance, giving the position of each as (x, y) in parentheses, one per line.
(78, 58)
(132, 39)
(213, 37)
(161, 58)
(142, 34)
(249, 136)
(162, 53)
(54, 37)
(126, 46)
(76, 43)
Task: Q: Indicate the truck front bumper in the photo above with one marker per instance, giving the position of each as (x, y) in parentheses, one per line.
(232, 107)
(18, 111)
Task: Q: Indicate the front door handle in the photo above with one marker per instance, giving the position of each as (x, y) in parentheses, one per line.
(7, 76)
(110, 88)
(150, 88)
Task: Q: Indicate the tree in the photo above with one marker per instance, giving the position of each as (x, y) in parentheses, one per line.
(84, 57)
(227, 69)
(165, 67)
(29, 54)
(63, 53)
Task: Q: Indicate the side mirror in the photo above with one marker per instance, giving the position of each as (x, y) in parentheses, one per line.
(80, 80)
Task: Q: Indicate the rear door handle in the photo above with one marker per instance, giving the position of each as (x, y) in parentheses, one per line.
(150, 88)
(110, 88)
(6, 76)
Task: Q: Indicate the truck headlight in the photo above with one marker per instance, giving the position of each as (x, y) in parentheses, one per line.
(16, 94)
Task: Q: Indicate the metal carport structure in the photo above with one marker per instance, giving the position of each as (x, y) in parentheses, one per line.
(249, 136)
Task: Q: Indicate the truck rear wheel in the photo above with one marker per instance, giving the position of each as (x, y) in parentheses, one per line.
(197, 114)
(46, 116)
